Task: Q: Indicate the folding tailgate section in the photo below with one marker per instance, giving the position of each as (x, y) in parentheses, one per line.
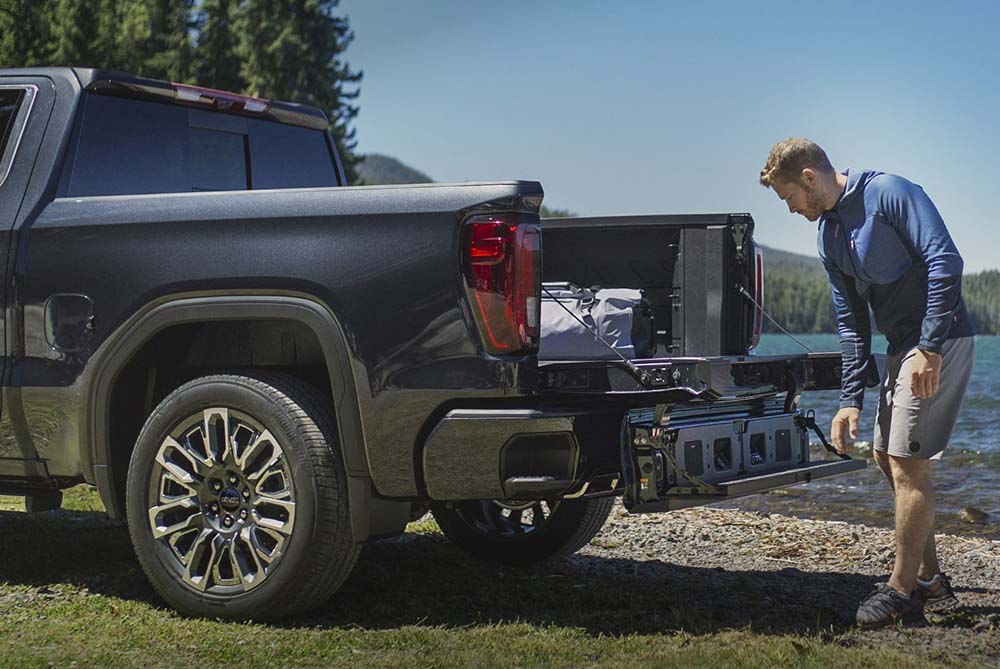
(672, 462)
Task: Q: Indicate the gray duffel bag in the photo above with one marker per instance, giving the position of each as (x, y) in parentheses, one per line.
(572, 315)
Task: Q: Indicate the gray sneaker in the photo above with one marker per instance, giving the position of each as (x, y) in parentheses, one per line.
(887, 606)
(937, 593)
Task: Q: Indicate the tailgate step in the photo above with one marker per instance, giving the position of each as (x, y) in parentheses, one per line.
(753, 484)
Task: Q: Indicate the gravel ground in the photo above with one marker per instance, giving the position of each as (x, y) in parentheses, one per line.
(781, 567)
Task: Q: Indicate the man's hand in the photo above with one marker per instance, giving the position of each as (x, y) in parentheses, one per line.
(925, 377)
(846, 420)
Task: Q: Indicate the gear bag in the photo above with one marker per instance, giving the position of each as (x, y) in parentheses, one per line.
(571, 316)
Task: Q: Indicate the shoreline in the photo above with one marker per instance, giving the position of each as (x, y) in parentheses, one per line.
(809, 568)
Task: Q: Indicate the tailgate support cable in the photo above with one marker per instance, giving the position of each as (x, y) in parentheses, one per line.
(754, 302)
(639, 375)
(809, 421)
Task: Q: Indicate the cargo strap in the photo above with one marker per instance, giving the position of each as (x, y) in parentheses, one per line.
(696, 485)
(809, 421)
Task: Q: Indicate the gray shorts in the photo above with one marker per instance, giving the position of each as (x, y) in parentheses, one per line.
(910, 427)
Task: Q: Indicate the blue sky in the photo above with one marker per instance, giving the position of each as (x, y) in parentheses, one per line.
(671, 107)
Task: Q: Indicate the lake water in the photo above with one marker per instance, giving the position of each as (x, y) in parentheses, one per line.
(968, 475)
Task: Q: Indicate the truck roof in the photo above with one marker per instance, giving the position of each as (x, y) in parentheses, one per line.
(111, 82)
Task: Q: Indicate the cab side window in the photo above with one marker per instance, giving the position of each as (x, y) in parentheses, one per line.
(10, 103)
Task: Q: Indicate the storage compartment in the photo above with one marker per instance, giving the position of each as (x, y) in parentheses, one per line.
(690, 268)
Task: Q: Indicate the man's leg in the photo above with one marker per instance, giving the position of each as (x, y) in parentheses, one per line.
(914, 492)
(929, 566)
(882, 460)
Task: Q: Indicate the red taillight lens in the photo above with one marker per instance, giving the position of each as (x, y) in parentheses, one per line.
(503, 280)
(758, 294)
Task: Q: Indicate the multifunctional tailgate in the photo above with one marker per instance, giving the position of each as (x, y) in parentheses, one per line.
(672, 460)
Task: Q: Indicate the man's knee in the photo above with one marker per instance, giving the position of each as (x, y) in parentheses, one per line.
(910, 473)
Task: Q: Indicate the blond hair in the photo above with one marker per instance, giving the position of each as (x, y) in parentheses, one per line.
(789, 157)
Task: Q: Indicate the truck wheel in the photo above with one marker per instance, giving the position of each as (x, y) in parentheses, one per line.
(237, 498)
(522, 533)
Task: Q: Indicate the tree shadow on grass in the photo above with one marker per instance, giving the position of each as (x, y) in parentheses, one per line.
(83, 548)
(421, 579)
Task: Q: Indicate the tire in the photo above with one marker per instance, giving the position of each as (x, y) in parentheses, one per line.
(504, 532)
(257, 529)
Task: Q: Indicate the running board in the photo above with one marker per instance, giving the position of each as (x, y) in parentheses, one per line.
(747, 486)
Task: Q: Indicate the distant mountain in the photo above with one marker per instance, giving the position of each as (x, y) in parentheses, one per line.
(376, 169)
(776, 259)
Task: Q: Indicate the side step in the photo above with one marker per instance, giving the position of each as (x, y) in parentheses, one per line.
(753, 484)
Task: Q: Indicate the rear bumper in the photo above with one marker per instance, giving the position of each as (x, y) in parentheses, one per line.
(499, 454)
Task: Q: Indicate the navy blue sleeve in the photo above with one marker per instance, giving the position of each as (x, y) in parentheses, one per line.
(855, 330)
(917, 221)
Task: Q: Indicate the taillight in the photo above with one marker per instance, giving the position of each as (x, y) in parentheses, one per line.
(503, 258)
(758, 294)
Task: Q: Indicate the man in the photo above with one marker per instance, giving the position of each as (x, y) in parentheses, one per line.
(884, 245)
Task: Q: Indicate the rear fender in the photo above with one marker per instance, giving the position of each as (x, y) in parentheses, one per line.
(117, 351)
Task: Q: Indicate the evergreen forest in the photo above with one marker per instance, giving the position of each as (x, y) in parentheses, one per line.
(279, 49)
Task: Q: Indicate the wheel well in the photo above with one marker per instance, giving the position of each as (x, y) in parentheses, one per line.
(187, 351)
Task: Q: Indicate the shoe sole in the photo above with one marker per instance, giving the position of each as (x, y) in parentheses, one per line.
(941, 605)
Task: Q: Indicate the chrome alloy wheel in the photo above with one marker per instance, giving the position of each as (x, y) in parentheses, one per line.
(221, 501)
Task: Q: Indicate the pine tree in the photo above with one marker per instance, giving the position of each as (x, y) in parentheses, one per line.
(26, 32)
(292, 50)
(76, 28)
(169, 51)
(217, 64)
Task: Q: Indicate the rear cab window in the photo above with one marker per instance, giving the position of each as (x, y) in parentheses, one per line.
(15, 105)
(125, 146)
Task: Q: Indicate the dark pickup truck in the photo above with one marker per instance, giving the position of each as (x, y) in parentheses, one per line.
(260, 368)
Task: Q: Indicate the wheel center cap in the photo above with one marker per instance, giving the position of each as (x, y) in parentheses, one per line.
(230, 499)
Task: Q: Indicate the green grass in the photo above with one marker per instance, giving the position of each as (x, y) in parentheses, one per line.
(71, 591)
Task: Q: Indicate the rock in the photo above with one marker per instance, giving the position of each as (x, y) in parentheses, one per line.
(971, 514)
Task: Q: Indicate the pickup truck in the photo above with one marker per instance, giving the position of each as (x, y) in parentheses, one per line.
(260, 368)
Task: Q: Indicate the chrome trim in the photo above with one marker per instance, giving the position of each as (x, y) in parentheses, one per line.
(20, 124)
(578, 493)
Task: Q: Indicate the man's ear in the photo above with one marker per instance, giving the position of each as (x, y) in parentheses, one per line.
(808, 177)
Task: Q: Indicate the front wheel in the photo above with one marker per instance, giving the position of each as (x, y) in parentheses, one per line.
(237, 498)
(522, 533)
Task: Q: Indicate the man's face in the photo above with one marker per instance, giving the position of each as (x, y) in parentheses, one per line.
(802, 197)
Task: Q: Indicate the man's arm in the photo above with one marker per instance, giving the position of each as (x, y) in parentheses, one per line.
(917, 221)
(911, 213)
(854, 328)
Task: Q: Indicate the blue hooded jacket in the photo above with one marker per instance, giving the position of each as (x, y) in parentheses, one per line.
(884, 244)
